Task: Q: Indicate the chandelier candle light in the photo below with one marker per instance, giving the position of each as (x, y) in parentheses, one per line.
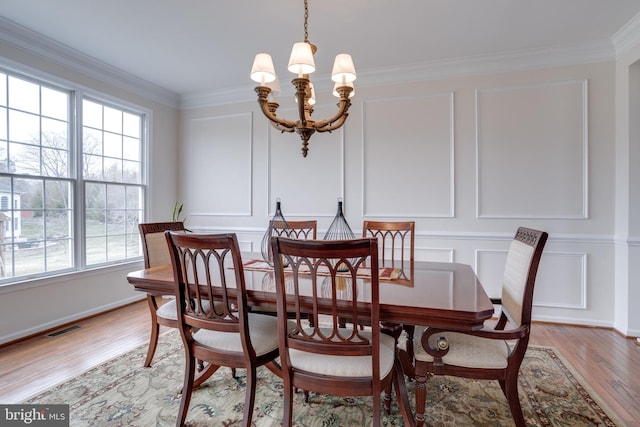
(301, 63)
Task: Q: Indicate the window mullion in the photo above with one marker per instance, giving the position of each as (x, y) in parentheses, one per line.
(76, 164)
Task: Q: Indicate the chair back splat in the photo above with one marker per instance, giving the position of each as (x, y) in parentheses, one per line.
(154, 244)
(213, 316)
(321, 278)
(395, 240)
(305, 230)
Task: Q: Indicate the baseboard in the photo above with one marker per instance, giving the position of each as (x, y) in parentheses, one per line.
(63, 321)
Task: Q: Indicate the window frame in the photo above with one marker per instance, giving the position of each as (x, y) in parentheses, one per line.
(77, 93)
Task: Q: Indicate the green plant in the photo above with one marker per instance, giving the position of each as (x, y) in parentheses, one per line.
(177, 211)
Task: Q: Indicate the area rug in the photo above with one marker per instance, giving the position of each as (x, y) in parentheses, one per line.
(121, 392)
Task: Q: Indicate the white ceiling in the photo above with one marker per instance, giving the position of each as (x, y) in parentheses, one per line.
(194, 46)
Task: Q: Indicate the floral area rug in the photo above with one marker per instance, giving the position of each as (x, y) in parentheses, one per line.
(121, 392)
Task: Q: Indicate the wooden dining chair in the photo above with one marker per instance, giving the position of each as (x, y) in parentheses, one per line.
(213, 315)
(396, 241)
(305, 229)
(396, 249)
(156, 252)
(492, 354)
(321, 278)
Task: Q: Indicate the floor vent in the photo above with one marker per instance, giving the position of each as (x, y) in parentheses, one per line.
(63, 331)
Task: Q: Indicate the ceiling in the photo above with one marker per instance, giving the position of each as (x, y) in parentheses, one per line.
(192, 46)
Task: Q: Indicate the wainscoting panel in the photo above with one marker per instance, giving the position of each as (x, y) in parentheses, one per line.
(433, 254)
(220, 166)
(560, 283)
(408, 165)
(533, 138)
(309, 186)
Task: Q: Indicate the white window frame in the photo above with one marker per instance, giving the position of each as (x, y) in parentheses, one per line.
(77, 94)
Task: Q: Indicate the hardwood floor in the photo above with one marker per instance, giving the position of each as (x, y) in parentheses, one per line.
(607, 361)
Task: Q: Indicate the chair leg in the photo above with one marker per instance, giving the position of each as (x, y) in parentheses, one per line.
(250, 396)
(187, 389)
(342, 322)
(312, 323)
(421, 398)
(511, 392)
(387, 398)
(287, 410)
(377, 409)
(155, 330)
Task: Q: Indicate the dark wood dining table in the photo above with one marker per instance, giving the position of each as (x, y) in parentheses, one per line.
(439, 294)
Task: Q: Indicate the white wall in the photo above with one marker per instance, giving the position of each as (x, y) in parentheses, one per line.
(29, 307)
(627, 281)
(469, 159)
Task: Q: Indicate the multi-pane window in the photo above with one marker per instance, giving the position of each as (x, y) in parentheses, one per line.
(45, 163)
(112, 169)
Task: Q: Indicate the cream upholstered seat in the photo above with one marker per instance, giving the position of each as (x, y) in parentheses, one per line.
(469, 351)
(263, 331)
(168, 311)
(321, 279)
(345, 366)
(487, 353)
(213, 314)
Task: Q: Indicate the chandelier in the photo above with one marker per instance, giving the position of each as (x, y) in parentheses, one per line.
(301, 63)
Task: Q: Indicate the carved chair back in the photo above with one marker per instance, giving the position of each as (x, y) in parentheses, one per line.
(395, 240)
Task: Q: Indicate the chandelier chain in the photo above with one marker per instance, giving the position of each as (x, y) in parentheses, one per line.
(306, 18)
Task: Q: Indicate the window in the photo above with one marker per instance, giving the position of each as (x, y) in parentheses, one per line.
(111, 151)
(44, 167)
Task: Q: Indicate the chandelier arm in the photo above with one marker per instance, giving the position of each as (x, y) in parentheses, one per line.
(282, 128)
(335, 126)
(287, 124)
(343, 105)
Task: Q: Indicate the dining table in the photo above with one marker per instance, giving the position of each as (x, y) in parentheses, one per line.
(446, 295)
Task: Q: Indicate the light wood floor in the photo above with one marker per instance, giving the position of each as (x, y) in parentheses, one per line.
(607, 361)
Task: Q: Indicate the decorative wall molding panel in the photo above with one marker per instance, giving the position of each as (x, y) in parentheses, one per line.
(433, 254)
(561, 280)
(408, 157)
(306, 186)
(220, 166)
(532, 151)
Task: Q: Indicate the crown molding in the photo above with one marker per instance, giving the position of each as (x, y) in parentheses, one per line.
(43, 47)
(34, 43)
(433, 70)
(627, 37)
